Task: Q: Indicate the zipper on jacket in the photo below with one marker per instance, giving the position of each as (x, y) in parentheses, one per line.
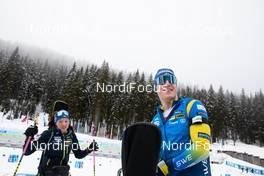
(166, 139)
(48, 162)
(65, 149)
(165, 123)
(63, 156)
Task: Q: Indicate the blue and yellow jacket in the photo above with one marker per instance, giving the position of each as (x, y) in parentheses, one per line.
(185, 133)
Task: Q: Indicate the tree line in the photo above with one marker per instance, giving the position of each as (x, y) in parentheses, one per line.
(27, 82)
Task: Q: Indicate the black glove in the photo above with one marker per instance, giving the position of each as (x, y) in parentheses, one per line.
(93, 146)
(31, 131)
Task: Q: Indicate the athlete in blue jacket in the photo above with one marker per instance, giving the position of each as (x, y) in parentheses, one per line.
(184, 128)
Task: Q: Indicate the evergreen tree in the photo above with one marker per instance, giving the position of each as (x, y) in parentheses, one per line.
(210, 103)
(220, 114)
(258, 104)
(232, 123)
(243, 115)
(25, 82)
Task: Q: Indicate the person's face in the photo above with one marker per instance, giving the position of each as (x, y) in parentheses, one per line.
(63, 124)
(167, 91)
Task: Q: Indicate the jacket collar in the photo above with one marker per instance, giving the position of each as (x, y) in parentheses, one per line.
(174, 103)
(58, 131)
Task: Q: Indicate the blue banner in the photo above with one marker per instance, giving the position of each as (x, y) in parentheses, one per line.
(13, 158)
(78, 164)
(245, 169)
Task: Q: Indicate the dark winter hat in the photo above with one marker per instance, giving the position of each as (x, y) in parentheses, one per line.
(60, 115)
(164, 74)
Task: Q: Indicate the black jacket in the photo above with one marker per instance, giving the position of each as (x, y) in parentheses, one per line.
(56, 148)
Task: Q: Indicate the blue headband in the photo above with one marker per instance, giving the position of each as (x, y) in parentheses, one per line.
(60, 115)
(163, 71)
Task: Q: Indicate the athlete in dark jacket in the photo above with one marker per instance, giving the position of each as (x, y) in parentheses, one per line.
(57, 143)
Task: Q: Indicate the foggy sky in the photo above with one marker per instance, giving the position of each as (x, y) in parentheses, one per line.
(205, 42)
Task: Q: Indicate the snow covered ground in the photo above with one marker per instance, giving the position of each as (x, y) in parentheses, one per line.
(241, 148)
(108, 157)
(10, 156)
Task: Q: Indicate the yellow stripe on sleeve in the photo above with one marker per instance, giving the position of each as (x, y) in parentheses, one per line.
(189, 107)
